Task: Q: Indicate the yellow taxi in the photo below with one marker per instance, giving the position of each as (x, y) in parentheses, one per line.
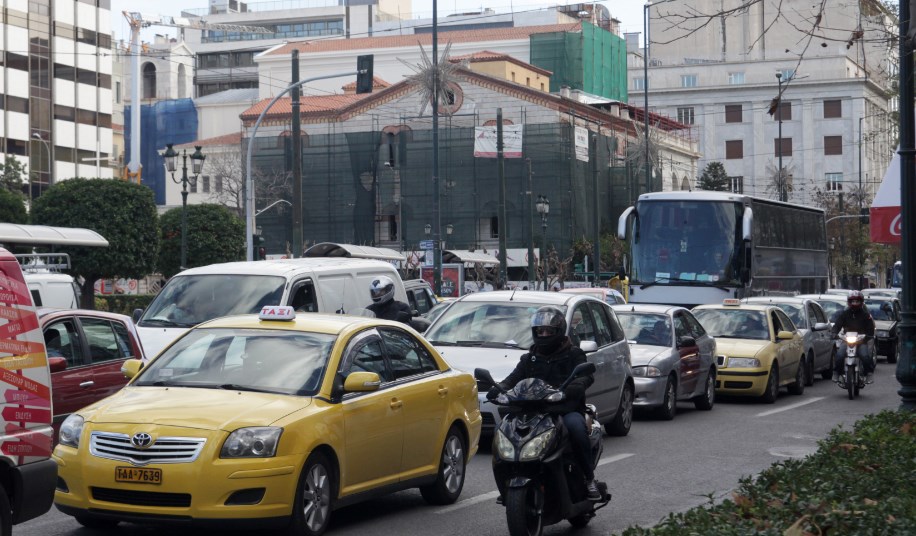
(759, 349)
(271, 421)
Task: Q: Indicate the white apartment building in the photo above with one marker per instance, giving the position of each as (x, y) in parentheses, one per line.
(55, 88)
(833, 69)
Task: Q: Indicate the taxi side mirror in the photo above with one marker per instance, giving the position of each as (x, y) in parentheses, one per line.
(131, 367)
(785, 336)
(821, 326)
(361, 382)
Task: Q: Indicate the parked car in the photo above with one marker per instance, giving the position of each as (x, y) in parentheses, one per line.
(886, 312)
(86, 350)
(832, 304)
(892, 292)
(271, 421)
(759, 349)
(492, 330)
(611, 296)
(673, 357)
(420, 296)
(811, 320)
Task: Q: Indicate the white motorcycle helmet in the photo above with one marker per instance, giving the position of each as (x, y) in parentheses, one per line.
(382, 289)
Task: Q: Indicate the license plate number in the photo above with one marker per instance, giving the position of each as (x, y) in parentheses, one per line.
(138, 475)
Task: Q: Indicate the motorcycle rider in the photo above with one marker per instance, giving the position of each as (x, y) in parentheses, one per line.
(383, 303)
(855, 318)
(552, 359)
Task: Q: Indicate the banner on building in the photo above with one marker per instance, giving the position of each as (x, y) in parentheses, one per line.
(885, 222)
(485, 141)
(581, 144)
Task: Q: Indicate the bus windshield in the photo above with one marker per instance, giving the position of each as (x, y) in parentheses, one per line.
(686, 241)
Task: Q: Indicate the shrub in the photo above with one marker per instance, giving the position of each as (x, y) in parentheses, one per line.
(859, 482)
(122, 303)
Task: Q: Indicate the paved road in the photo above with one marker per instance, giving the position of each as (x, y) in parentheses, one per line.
(660, 467)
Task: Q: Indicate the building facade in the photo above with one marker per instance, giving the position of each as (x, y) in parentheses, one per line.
(55, 80)
(832, 130)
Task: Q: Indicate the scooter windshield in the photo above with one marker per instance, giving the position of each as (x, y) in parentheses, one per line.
(530, 389)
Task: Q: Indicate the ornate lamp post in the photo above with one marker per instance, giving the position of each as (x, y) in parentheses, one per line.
(543, 208)
(783, 191)
(197, 165)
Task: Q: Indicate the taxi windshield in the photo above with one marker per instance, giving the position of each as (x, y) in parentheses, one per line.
(481, 323)
(273, 361)
(734, 323)
(191, 299)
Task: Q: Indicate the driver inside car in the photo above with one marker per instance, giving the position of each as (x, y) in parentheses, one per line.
(552, 359)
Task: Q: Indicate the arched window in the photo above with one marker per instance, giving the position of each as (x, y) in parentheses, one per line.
(182, 82)
(685, 184)
(149, 81)
(674, 182)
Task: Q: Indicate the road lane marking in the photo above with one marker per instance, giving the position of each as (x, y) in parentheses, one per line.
(791, 406)
(494, 494)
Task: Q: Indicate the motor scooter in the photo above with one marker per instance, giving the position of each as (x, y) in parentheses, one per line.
(853, 379)
(539, 481)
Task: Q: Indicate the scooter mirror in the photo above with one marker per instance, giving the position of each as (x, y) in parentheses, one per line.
(483, 375)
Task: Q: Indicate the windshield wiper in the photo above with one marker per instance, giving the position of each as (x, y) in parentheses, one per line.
(159, 322)
(490, 344)
(443, 343)
(237, 387)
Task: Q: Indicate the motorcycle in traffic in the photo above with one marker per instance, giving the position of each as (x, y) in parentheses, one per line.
(853, 377)
(539, 481)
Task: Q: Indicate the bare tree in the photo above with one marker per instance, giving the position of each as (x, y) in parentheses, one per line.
(270, 185)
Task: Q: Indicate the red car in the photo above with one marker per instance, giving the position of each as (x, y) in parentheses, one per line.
(85, 351)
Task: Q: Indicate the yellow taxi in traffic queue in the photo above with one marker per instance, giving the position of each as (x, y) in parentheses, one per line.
(759, 349)
(271, 421)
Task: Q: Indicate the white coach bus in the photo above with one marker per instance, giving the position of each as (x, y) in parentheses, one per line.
(690, 248)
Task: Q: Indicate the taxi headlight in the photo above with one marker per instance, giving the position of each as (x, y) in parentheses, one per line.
(535, 447)
(743, 362)
(645, 371)
(254, 442)
(504, 447)
(71, 430)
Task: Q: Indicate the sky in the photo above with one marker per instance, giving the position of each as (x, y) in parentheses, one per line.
(629, 12)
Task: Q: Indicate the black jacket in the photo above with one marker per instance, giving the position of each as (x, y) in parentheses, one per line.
(859, 321)
(554, 369)
(393, 310)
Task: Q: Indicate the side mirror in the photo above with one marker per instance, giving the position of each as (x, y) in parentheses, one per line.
(785, 336)
(685, 342)
(420, 324)
(131, 367)
(588, 346)
(415, 313)
(821, 326)
(584, 369)
(57, 364)
(361, 382)
(136, 315)
(483, 376)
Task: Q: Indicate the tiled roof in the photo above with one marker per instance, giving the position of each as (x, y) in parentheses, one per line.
(226, 139)
(377, 83)
(488, 55)
(284, 107)
(397, 41)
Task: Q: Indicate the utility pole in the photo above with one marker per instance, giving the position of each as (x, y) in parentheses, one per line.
(437, 228)
(501, 174)
(783, 191)
(531, 275)
(296, 150)
(596, 246)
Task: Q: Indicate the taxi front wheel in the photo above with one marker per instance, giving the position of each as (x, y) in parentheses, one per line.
(312, 505)
(450, 476)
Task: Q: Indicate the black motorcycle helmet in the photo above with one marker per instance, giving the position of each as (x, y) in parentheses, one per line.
(548, 328)
(855, 300)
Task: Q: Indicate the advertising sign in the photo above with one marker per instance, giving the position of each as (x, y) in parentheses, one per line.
(581, 144)
(885, 223)
(452, 279)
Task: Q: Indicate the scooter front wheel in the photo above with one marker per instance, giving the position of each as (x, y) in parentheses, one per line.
(851, 381)
(525, 510)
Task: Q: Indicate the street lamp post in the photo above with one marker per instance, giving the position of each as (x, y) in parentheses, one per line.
(543, 208)
(449, 228)
(783, 193)
(38, 137)
(197, 164)
(645, 88)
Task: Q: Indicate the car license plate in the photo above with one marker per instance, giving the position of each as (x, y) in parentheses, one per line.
(139, 475)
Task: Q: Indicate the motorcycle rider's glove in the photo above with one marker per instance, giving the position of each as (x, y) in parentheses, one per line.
(574, 392)
(493, 393)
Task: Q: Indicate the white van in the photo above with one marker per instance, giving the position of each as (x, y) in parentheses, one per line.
(29, 475)
(332, 285)
(53, 290)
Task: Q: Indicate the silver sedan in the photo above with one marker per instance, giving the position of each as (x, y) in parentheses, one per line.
(672, 355)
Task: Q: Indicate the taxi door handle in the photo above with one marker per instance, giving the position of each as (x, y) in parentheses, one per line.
(396, 404)
(443, 391)
(87, 385)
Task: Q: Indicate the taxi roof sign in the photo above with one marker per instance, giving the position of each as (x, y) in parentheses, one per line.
(731, 301)
(277, 312)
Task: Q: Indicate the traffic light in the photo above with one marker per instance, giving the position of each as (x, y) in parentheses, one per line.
(863, 216)
(364, 73)
(260, 252)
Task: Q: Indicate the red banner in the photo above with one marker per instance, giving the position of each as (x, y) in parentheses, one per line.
(885, 225)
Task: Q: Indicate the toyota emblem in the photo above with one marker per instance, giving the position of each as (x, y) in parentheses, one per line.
(141, 440)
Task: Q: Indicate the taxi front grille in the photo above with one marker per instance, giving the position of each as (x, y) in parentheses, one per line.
(114, 446)
(142, 498)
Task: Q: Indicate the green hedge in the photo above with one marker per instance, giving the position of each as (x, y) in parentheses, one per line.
(122, 303)
(859, 482)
